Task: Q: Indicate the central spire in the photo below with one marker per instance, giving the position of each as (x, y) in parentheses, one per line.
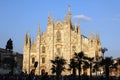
(69, 14)
(39, 28)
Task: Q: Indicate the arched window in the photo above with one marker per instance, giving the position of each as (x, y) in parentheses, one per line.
(58, 51)
(43, 49)
(43, 60)
(42, 71)
(58, 36)
(33, 60)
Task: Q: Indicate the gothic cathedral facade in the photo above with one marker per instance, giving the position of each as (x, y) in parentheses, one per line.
(62, 38)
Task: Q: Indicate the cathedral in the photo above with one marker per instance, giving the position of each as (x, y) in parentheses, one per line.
(62, 38)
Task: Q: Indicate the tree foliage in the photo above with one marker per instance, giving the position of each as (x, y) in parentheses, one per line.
(58, 65)
(81, 61)
(73, 66)
(90, 61)
(107, 62)
(79, 57)
(103, 50)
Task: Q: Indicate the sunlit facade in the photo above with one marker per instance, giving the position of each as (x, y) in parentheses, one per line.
(62, 38)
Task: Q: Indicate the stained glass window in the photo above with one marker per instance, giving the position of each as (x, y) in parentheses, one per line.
(58, 36)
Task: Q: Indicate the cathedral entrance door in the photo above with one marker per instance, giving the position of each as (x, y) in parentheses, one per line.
(42, 71)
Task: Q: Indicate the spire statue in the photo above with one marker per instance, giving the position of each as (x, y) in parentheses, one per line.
(38, 33)
(39, 29)
(29, 39)
(25, 40)
(69, 15)
(50, 19)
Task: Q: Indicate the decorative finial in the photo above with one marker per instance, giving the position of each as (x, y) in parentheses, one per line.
(69, 12)
(49, 18)
(38, 28)
(29, 39)
(69, 16)
(25, 40)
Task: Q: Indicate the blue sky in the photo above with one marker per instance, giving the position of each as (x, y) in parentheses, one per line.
(18, 17)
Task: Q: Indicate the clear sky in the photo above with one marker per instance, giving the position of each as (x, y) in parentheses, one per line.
(18, 17)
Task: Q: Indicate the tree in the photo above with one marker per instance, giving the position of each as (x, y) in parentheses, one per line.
(79, 57)
(73, 66)
(9, 45)
(103, 50)
(58, 65)
(90, 61)
(85, 67)
(107, 62)
(96, 66)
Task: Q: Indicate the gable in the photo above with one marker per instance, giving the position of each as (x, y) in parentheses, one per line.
(58, 24)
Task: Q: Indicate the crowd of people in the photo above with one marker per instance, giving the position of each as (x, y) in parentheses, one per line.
(45, 76)
(24, 76)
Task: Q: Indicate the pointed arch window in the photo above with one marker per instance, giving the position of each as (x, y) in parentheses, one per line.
(33, 60)
(58, 36)
(43, 49)
(43, 60)
(58, 51)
